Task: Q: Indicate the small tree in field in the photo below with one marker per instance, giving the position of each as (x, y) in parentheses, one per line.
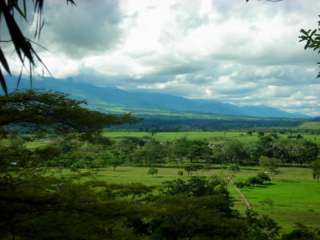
(153, 171)
(192, 167)
(115, 163)
(99, 163)
(270, 164)
(315, 166)
(234, 168)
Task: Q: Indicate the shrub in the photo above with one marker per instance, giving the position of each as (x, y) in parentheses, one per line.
(234, 168)
(253, 180)
(180, 173)
(263, 176)
(153, 171)
(240, 184)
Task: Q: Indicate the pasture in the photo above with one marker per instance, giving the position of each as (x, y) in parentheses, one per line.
(295, 194)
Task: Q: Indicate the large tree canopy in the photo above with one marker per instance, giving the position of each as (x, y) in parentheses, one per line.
(40, 111)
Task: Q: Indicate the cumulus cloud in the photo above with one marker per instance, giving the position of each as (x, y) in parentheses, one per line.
(230, 51)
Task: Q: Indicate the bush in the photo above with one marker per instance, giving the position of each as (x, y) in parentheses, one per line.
(153, 171)
(263, 176)
(234, 168)
(240, 184)
(253, 181)
(180, 173)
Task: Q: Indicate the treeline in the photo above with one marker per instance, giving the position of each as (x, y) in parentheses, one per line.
(149, 152)
(185, 124)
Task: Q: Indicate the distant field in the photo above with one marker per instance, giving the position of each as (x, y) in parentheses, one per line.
(213, 137)
(310, 125)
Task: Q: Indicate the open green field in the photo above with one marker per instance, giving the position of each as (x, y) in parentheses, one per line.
(309, 125)
(296, 196)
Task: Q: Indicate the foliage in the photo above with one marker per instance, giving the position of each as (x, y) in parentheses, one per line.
(263, 176)
(192, 167)
(234, 168)
(180, 173)
(40, 111)
(300, 233)
(270, 164)
(262, 227)
(312, 38)
(22, 45)
(115, 162)
(315, 166)
(239, 184)
(153, 171)
(253, 181)
(233, 149)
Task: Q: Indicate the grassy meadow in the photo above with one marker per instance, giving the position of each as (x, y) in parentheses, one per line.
(295, 194)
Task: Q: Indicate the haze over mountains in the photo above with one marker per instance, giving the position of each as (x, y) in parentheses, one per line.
(116, 100)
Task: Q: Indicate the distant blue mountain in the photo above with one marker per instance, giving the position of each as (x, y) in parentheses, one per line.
(182, 104)
(128, 101)
(255, 111)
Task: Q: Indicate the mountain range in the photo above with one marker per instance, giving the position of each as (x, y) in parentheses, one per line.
(113, 99)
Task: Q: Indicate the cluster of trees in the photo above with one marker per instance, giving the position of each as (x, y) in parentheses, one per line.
(150, 152)
(260, 178)
(173, 124)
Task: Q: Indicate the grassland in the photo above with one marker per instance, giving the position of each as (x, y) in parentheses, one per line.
(296, 196)
(310, 125)
(213, 137)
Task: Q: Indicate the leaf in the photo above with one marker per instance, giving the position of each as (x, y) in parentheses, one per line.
(3, 61)
(3, 83)
(17, 37)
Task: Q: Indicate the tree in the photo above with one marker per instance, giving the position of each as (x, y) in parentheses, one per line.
(270, 164)
(40, 111)
(115, 162)
(152, 130)
(153, 171)
(249, 133)
(260, 134)
(233, 149)
(192, 167)
(253, 180)
(22, 45)
(315, 166)
(234, 168)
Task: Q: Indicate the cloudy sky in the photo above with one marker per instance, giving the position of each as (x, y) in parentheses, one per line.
(226, 50)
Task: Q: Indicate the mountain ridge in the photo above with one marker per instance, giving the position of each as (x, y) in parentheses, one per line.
(113, 99)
